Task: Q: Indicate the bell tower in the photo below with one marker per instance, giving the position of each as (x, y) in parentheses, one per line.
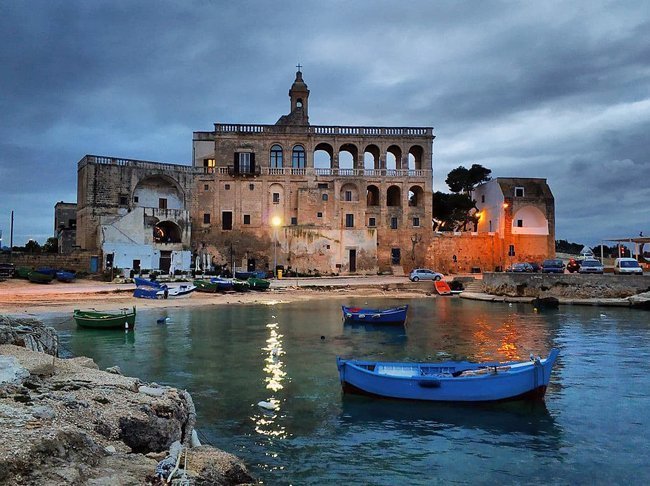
(299, 95)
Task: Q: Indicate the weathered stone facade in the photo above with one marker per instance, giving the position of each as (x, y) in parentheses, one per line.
(134, 213)
(65, 226)
(345, 199)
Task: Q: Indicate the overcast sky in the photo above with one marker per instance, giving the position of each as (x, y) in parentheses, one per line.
(559, 90)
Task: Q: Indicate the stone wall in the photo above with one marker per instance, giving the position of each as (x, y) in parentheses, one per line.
(567, 285)
(79, 261)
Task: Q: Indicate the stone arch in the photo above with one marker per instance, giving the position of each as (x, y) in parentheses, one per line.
(532, 220)
(298, 157)
(372, 195)
(416, 155)
(348, 156)
(393, 157)
(394, 196)
(152, 188)
(349, 193)
(371, 157)
(323, 156)
(167, 232)
(416, 197)
(276, 156)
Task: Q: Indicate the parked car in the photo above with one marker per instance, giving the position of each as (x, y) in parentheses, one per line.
(424, 274)
(552, 266)
(627, 266)
(535, 266)
(520, 267)
(591, 265)
(573, 265)
(7, 270)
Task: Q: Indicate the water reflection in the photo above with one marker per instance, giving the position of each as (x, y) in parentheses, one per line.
(267, 422)
(521, 422)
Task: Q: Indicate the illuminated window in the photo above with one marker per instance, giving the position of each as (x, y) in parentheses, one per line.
(208, 165)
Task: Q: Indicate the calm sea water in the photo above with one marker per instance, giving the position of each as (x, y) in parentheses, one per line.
(594, 428)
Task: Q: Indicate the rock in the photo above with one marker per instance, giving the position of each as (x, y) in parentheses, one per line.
(110, 449)
(151, 391)
(156, 431)
(11, 371)
(43, 412)
(541, 303)
(214, 467)
(640, 300)
(114, 369)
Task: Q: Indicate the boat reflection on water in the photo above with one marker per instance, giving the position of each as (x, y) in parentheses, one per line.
(527, 421)
(393, 333)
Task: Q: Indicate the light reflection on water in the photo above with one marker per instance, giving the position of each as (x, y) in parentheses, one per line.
(232, 358)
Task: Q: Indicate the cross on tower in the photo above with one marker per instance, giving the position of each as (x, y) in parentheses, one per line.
(298, 66)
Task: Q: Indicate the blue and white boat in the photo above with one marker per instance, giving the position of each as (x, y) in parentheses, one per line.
(450, 381)
(222, 284)
(394, 315)
(143, 282)
(65, 276)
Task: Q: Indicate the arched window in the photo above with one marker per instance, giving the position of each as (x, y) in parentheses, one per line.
(276, 157)
(298, 157)
(166, 232)
(393, 196)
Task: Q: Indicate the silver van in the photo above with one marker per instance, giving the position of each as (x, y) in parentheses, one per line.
(627, 266)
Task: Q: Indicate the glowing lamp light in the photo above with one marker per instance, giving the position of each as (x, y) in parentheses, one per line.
(276, 221)
(505, 205)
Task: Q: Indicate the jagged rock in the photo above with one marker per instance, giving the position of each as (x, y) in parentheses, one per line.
(28, 333)
(11, 371)
(114, 369)
(640, 300)
(151, 391)
(215, 467)
(161, 426)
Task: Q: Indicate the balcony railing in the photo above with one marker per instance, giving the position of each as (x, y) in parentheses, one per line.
(325, 130)
(311, 171)
(140, 164)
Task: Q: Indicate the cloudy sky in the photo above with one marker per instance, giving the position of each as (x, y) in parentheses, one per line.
(559, 90)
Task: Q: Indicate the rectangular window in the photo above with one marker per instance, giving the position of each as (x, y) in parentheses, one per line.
(511, 250)
(483, 198)
(519, 192)
(323, 185)
(325, 197)
(251, 187)
(393, 223)
(206, 218)
(294, 221)
(162, 203)
(227, 187)
(206, 187)
(319, 215)
(520, 223)
(135, 199)
(124, 200)
(226, 220)
(208, 165)
(348, 195)
(244, 163)
(349, 220)
(136, 265)
(276, 198)
(247, 219)
(72, 223)
(416, 222)
(372, 222)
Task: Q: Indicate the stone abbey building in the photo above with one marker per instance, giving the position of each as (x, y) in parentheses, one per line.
(334, 199)
(312, 198)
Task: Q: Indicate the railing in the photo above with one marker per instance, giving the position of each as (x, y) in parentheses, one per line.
(311, 171)
(140, 164)
(325, 130)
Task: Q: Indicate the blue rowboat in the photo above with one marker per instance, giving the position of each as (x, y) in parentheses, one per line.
(63, 276)
(394, 315)
(450, 381)
(221, 284)
(144, 292)
(143, 282)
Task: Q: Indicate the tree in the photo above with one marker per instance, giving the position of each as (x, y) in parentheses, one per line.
(465, 180)
(51, 245)
(32, 246)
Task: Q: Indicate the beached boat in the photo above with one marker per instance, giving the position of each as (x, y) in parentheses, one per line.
(442, 287)
(23, 272)
(206, 286)
(223, 284)
(164, 292)
(258, 283)
(240, 285)
(183, 290)
(105, 320)
(38, 277)
(143, 282)
(394, 315)
(64, 276)
(451, 381)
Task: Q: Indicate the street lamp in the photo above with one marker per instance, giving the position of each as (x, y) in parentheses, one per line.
(275, 222)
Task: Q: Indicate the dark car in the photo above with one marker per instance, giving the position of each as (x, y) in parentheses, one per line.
(520, 268)
(7, 270)
(573, 265)
(552, 266)
(536, 267)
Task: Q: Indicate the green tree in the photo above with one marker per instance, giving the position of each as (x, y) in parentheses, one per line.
(454, 211)
(32, 246)
(465, 180)
(51, 245)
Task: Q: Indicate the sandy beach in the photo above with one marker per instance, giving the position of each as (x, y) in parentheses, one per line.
(20, 297)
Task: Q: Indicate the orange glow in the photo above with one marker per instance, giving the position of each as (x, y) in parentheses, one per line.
(505, 205)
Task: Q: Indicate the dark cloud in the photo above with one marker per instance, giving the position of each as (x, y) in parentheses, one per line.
(548, 89)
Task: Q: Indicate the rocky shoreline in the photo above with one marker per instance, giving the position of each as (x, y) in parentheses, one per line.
(64, 421)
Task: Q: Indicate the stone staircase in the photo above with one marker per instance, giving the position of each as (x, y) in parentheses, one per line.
(473, 286)
(397, 270)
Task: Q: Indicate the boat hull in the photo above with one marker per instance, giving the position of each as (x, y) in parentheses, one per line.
(105, 320)
(41, 278)
(65, 277)
(356, 315)
(482, 382)
(258, 284)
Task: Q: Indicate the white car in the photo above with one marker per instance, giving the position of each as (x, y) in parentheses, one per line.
(627, 266)
(424, 274)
